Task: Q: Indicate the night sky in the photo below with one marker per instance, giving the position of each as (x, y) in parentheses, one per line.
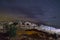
(41, 10)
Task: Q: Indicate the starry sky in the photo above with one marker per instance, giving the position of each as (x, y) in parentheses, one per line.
(42, 10)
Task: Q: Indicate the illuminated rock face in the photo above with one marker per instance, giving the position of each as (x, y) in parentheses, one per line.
(48, 29)
(29, 25)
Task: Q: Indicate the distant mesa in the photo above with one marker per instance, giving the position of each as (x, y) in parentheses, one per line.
(6, 18)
